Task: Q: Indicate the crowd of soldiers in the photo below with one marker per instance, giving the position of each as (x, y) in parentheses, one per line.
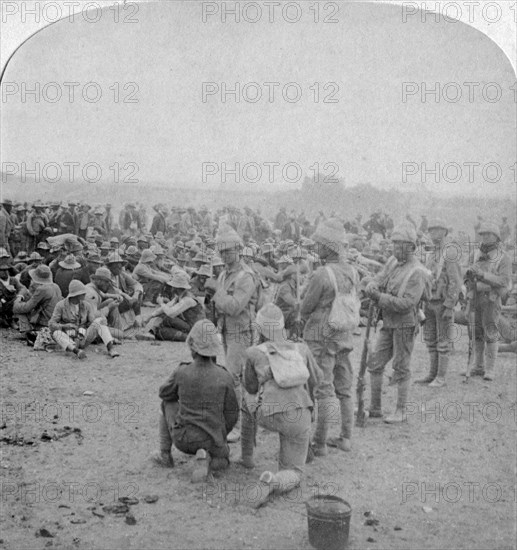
(260, 293)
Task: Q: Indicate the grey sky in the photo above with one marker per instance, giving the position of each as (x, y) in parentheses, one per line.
(369, 133)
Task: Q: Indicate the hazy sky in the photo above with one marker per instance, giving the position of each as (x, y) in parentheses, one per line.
(368, 134)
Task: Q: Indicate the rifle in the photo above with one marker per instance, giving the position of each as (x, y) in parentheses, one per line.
(298, 320)
(471, 326)
(361, 417)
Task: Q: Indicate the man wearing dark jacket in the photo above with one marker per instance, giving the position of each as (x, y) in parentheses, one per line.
(199, 406)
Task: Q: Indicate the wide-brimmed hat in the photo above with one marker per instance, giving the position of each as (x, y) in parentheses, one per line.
(270, 321)
(147, 257)
(180, 279)
(132, 251)
(201, 257)
(35, 257)
(180, 245)
(228, 240)
(405, 233)
(94, 259)
(203, 339)
(76, 288)
(43, 246)
(21, 256)
(331, 233)
(41, 274)
(102, 273)
(8, 202)
(114, 240)
(105, 246)
(157, 250)
(437, 223)
(488, 227)
(115, 258)
(4, 253)
(69, 262)
(204, 271)
(217, 262)
(21, 208)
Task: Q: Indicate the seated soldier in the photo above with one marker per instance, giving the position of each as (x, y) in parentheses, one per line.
(199, 406)
(75, 323)
(106, 302)
(9, 288)
(151, 279)
(33, 261)
(280, 377)
(35, 310)
(131, 291)
(68, 269)
(174, 320)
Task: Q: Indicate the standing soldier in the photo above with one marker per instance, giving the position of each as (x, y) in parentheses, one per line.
(397, 290)
(234, 300)
(108, 219)
(68, 220)
(492, 271)
(439, 312)
(330, 348)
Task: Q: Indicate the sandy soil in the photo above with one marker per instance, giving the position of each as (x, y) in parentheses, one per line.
(445, 479)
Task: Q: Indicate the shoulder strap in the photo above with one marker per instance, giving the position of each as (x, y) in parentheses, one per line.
(332, 278)
(408, 276)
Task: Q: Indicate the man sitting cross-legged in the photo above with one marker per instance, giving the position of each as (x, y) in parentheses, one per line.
(75, 323)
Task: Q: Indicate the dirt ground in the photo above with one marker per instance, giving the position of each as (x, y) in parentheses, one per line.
(444, 479)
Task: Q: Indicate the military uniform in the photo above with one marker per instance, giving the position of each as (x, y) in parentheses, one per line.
(445, 290)
(330, 348)
(401, 285)
(494, 275)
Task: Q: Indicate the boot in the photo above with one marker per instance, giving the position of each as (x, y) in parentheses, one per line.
(112, 352)
(432, 370)
(376, 390)
(319, 439)
(247, 441)
(491, 356)
(400, 413)
(347, 416)
(201, 472)
(443, 363)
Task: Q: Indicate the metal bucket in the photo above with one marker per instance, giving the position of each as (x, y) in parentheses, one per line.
(328, 517)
